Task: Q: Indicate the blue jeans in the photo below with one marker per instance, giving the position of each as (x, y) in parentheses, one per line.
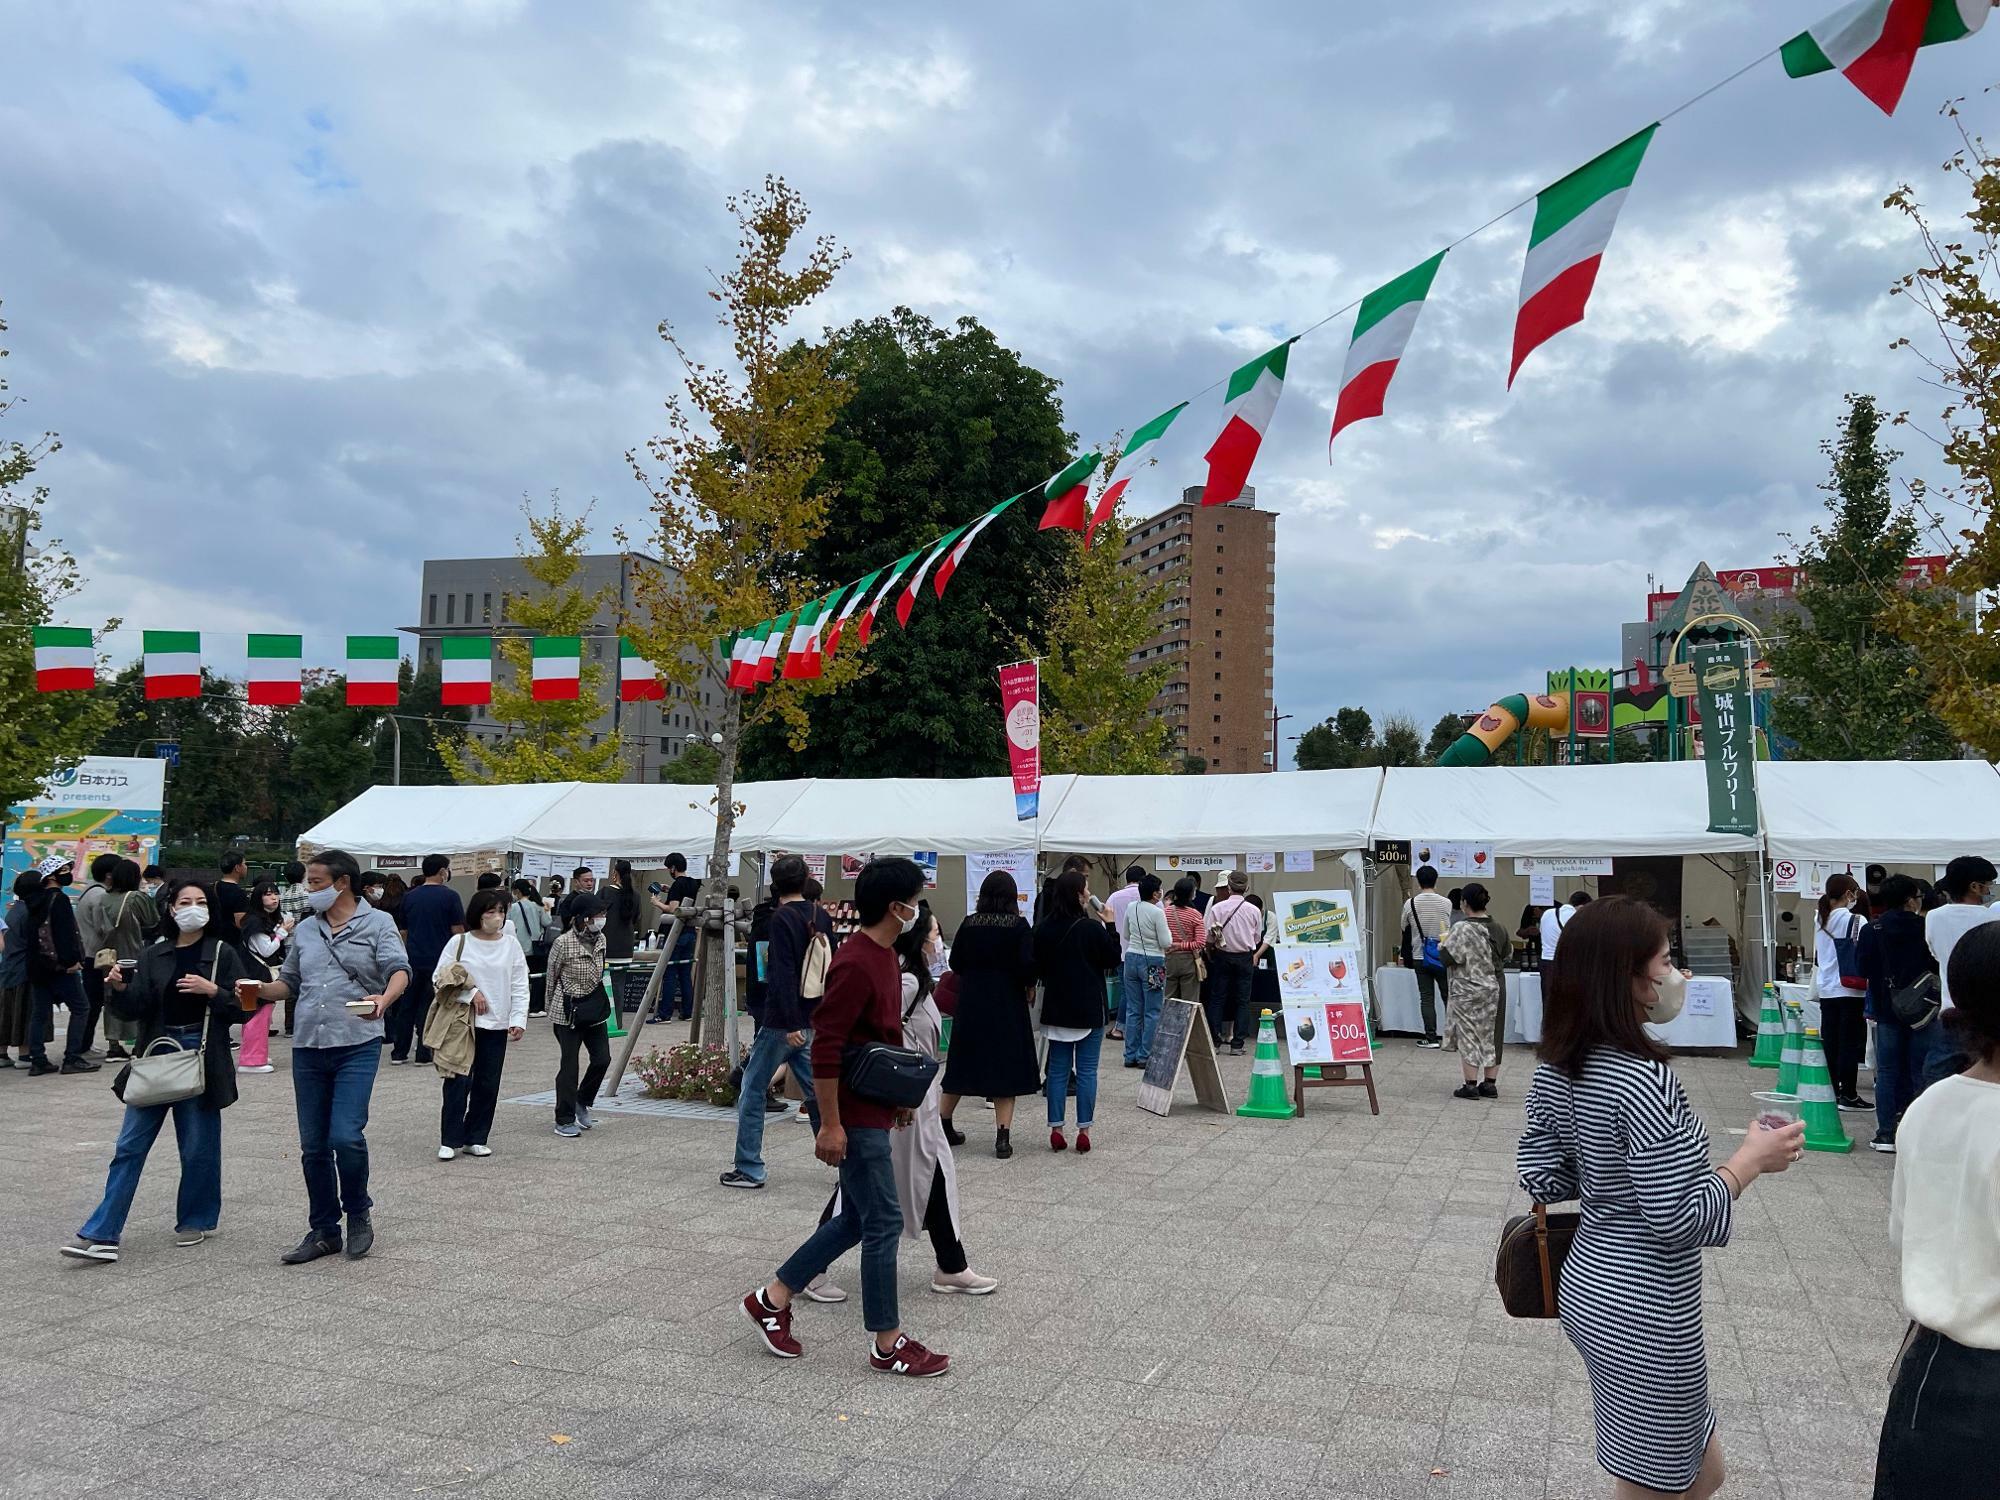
(1083, 1057)
(869, 1217)
(678, 980)
(44, 995)
(198, 1133)
(1938, 1056)
(767, 1051)
(330, 1087)
(1141, 1011)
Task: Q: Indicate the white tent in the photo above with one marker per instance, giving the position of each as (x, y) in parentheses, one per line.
(900, 815)
(1549, 811)
(615, 820)
(1330, 810)
(435, 819)
(1890, 812)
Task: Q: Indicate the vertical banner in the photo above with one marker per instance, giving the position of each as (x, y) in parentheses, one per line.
(1728, 741)
(1021, 703)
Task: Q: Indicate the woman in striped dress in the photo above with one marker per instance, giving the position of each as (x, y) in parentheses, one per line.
(1609, 1124)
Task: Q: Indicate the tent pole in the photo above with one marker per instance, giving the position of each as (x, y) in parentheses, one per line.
(645, 1008)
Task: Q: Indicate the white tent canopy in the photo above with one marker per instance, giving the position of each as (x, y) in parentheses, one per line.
(1216, 814)
(1549, 811)
(899, 815)
(1889, 812)
(436, 819)
(615, 820)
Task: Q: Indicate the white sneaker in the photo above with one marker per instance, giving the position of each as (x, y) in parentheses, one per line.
(819, 1289)
(968, 1283)
(445, 1153)
(478, 1150)
(260, 1068)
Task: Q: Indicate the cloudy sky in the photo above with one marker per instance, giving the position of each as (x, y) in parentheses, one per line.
(315, 289)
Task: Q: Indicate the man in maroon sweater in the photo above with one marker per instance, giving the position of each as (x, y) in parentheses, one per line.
(863, 1003)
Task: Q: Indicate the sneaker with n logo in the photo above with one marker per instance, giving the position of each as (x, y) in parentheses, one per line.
(774, 1325)
(907, 1357)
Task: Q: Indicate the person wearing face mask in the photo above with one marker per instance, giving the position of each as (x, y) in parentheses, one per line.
(492, 957)
(580, 1011)
(184, 990)
(153, 880)
(1476, 951)
(1608, 1122)
(1839, 987)
(265, 933)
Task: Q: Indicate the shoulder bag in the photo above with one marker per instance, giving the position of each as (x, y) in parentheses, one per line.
(1533, 1247)
(592, 1008)
(165, 1072)
(1917, 1003)
(816, 960)
(1848, 951)
(1429, 955)
(899, 1077)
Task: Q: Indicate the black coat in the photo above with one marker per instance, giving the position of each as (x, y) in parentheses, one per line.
(993, 1034)
(1892, 954)
(1072, 956)
(144, 1000)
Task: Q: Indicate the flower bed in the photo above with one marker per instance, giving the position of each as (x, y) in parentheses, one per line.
(687, 1072)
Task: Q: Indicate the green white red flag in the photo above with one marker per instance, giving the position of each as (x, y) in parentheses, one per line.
(895, 571)
(1247, 405)
(465, 664)
(771, 650)
(743, 653)
(372, 663)
(555, 668)
(1138, 454)
(1874, 43)
(1066, 491)
(804, 642)
(638, 679)
(173, 663)
(1382, 329)
(908, 600)
(65, 659)
(1573, 223)
(856, 597)
(957, 554)
(274, 670)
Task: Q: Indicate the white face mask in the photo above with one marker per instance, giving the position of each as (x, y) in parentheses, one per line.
(597, 924)
(492, 922)
(909, 921)
(375, 892)
(1670, 994)
(190, 918)
(151, 887)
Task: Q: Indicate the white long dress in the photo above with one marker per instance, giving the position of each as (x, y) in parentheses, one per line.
(919, 1152)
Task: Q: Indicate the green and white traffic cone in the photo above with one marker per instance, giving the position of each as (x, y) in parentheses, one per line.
(1770, 1031)
(1793, 1052)
(1268, 1099)
(1824, 1132)
(615, 1027)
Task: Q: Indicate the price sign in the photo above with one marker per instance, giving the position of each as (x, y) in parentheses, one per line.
(1347, 1031)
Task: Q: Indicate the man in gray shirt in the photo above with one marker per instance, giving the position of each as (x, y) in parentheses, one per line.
(346, 965)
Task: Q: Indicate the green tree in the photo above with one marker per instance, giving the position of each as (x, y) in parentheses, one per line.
(40, 733)
(1444, 734)
(1401, 744)
(1346, 739)
(1848, 689)
(553, 739)
(941, 424)
(1194, 765)
(696, 766)
(214, 792)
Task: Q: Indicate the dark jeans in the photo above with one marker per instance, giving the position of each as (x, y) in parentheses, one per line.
(330, 1088)
(1843, 1031)
(569, 1093)
(1431, 988)
(198, 1134)
(945, 1243)
(44, 996)
(406, 1017)
(1229, 1002)
(868, 1217)
(1944, 1059)
(1937, 1436)
(93, 994)
(677, 980)
(467, 1118)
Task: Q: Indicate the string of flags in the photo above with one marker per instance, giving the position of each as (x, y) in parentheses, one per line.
(1872, 43)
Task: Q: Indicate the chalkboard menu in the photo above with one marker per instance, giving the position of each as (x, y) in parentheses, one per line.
(1181, 1036)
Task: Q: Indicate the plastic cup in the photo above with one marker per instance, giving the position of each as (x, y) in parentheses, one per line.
(1776, 1111)
(246, 993)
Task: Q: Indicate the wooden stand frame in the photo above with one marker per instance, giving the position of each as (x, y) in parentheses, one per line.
(1341, 1080)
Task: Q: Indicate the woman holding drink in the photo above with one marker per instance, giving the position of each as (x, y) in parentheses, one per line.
(184, 988)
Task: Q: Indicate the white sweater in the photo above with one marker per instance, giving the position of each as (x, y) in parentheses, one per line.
(1944, 1210)
(500, 970)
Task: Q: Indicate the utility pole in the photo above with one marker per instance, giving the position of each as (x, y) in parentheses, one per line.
(1276, 719)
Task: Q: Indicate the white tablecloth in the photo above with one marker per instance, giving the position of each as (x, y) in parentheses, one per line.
(1708, 1020)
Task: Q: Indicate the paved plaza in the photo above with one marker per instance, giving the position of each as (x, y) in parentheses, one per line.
(1203, 1307)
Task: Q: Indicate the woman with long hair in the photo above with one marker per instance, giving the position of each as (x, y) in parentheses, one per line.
(1074, 949)
(993, 1035)
(183, 990)
(1187, 940)
(1843, 1022)
(621, 912)
(534, 930)
(265, 933)
(1609, 1123)
(499, 971)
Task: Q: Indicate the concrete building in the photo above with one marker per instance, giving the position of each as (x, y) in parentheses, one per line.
(471, 596)
(1216, 625)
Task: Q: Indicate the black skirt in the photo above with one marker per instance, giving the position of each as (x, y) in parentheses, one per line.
(1937, 1433)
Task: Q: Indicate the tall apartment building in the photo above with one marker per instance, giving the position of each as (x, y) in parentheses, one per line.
(471, 596)
(1216, 625)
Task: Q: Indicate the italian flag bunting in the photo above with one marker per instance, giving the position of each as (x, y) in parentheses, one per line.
(1138, 455)
(1573, 222)
(466, 662)
(771, 649)
(1066, 491)
(813, 663)
(1874, 42)
(555, 668)
(854, 598)
(908, 601)
(895, 571)
(372, 663)
(1247, 405)
(803, 640)
(1382, 330)
(274, 669)
(173, 663)
(957, 554)
(65, 659)
(743, 657)
(638, 679)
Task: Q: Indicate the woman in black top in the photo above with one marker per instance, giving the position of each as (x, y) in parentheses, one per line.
(621, 912)
(1074, 950)
(993, 1033)
(183, 989)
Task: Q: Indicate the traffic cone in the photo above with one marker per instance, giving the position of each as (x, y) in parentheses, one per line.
(1268, 1100)
(1770, 1031)
(615, 1027)
(1792, 1053)
(1824, 1132)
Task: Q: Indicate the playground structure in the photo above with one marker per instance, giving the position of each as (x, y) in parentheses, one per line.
(1492, 729)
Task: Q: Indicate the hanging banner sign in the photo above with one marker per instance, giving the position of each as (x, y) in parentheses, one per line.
(1021, 704)
(1259, 864)
(1722, 678)
(1567, 867)
(1183, 863)
(1020, 863)
(103, 805)
(1298, 861)
(1453, 859)
(927, 861)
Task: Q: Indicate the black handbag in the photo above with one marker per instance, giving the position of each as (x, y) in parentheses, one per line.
(899, 1077)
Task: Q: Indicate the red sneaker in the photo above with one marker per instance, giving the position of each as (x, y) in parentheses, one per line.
(1082, 1142)
(1056, 1141)
(907, 1357)
(774, 1326)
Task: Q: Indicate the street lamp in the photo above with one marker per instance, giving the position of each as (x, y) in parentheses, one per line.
(1276, 719)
